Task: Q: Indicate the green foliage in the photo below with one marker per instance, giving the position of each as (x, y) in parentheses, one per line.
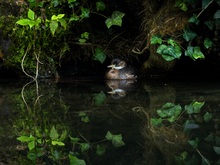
(115, 139)
(99, 98)
(116, 19)
(99, 55)
(194, 107)
(84, 117)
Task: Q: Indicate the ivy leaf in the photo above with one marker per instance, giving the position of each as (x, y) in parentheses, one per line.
(99, 98)
(189, 35)
(116, 19)
(209, 24)
(84, 147)
(194, 19)
(99, 55)
(63, 136)
(207, 117)
(217, 150)
(194, 107)
(75, 161)
(169, 53)
(194, 53)
(205, 3)
(55, 142)
(116, 139)
(85, 35)
(84, 12)
(194, 143)
(53, 26)
(53, 134)
(208, 43)
(100, 6)
(100, 150)
(155, 39)
(156, 121)
(63, 22)
(26, 138)
(217, 14)
(74, 140)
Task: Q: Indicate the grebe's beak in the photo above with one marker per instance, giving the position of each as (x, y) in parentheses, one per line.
(111, 66)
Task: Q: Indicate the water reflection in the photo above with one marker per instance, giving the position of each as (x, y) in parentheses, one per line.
(80, 121)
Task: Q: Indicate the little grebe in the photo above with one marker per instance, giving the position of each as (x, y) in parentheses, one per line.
(120, 70)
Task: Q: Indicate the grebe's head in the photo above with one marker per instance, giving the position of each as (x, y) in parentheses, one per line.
(117, 64)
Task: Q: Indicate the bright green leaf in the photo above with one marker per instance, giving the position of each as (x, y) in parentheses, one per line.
(26, 138)
(53, 26)
(85, 35)
(208, 43)
(74, 140)
(23, 22)
(82, 40)
(109, 136)
(100, 6)
(208, 116)
(99, 55)
(155, 39)
(169, 53)
(197, 53)
(99, 98)
(31, 145)
(31, 15)
(53, 134)
(54, 142)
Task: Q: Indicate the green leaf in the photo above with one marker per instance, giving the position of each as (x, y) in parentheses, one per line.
(116, 19)
(109, 136)
(169, 110)
(197, 53)
(84, 147)
(100, 6)
(23, 22)
(84, 117)
(74, 140)
(75, 161)
(85, 35)
(217, 14)
(194, 107)
(208, 43)
(53, 26)
(205, 3)
(182, 5)
(208, 116)
(99, 55)
(63, 23)
(169, 53)
(194, 52)
(189, 35)
(54, 142)
(210, 138)
(31, 145)
(26, 138)
(209, 24)
(99, 98)
(194, 19)
(53, 134)
(156, 121)
(74, 17)
(32, 156)
(84, 12)
(194, 143)
(100, 150)
(116, 139)
(217, 150)
(82, 40)
(155, 39)
(63, 136)
(31, 15)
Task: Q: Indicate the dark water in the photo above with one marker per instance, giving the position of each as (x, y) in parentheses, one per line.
(79, 112)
